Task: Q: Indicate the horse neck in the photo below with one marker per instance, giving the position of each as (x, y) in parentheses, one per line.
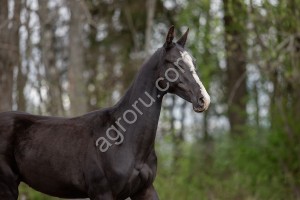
(144, 99)
(143, 84)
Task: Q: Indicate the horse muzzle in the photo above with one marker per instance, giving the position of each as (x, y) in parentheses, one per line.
(201, 103)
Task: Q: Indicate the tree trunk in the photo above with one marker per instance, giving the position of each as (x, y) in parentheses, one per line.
(9, 52)
(235, 14)
(149, 25)
(47, 23)
(23, 70)
(77, 85)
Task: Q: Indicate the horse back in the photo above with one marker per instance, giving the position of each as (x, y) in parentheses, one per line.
(8, 123)
(14, 122)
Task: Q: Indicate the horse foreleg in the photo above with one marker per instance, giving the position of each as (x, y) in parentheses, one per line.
(9, 181)
(8, 188)
(146, 194)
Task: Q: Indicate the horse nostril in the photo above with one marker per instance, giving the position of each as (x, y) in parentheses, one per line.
(201, 101)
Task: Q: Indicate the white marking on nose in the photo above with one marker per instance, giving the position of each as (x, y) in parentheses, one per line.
(189, 61)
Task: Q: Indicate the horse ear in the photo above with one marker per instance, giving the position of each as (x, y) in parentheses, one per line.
(170, 37)
(183, 38)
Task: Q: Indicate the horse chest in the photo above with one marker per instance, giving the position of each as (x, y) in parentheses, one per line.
(142, 176)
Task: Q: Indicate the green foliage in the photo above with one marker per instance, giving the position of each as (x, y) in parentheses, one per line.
(249, 167)
(30, 194)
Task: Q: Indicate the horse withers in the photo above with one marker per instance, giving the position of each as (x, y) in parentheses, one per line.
(107, 154)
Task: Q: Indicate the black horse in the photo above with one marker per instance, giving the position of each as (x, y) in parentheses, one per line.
(107, 154)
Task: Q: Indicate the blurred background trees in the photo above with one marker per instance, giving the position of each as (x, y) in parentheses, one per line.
(69, 57)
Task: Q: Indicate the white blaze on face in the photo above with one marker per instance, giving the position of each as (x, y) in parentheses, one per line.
(189, 61)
